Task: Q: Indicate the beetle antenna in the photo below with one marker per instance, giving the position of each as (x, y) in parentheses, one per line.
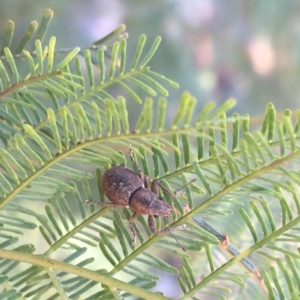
(99, 203)
(170, 229)
(177, 241)
(179, 192)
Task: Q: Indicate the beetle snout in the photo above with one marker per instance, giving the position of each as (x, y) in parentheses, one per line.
(161, 208)
(168, 209)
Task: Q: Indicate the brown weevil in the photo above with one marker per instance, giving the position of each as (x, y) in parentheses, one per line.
(124, 188)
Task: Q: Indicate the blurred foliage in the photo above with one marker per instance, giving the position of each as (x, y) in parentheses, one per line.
(243, 49)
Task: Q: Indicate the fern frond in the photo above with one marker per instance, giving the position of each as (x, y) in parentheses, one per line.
(242, 175)
(63, 87)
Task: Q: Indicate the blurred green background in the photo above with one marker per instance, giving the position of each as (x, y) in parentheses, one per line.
(249, 50)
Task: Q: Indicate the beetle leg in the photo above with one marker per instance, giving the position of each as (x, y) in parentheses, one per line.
(100, 203)
(170, 229)
(155, 184)
(147, 182)
(152, 226)
(132, 228)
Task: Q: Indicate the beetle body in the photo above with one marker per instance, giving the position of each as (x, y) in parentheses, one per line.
(124, 188)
